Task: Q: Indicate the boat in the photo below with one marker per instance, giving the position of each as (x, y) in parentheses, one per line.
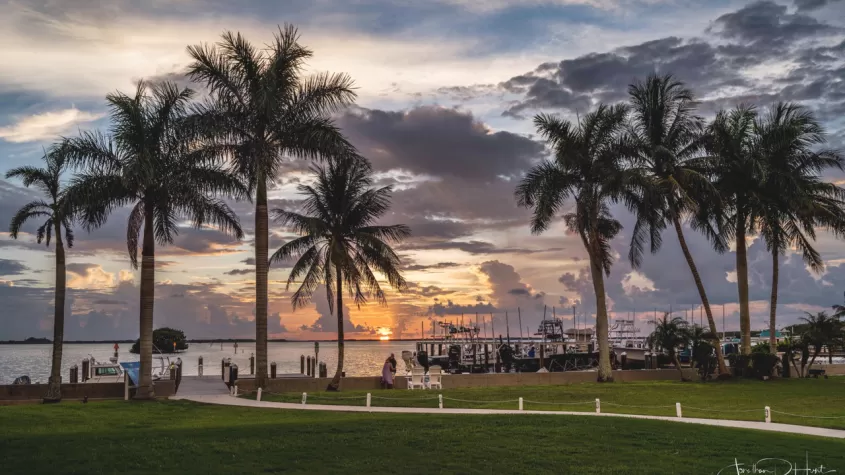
(112, 372)
(625, 340)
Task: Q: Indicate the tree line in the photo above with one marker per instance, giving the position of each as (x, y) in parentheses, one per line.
(170, 157)
(745, 173)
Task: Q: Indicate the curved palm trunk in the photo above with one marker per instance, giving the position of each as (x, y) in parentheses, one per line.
(261, 270)
(145, 383)
(605, 373)
(54, 386)
(773, 304)
(742, 286)
(334, 385)
(720, 357)
(677, 363)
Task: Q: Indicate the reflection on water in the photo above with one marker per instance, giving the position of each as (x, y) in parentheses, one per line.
(363, 358)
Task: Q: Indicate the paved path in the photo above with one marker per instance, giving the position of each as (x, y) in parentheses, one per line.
(228, 400)
(202, 386)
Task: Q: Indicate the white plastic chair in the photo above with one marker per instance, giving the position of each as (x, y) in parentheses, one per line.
(435, 377)
(416, 379)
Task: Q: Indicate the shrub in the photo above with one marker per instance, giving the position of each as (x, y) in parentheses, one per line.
(763, 364)
(761, 347)
(740, 365)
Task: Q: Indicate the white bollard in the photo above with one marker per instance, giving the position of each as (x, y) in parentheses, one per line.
(768, 414)
(520, 404)
(304, 397)
(598, 406)
(678, 409)
(369, 399)
(440, 397)
(258, 395)
(235, 391)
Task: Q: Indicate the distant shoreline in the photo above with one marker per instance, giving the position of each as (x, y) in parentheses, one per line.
(45, 341)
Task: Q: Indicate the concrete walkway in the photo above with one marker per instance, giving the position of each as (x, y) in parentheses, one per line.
(202, 386)
(228, 400)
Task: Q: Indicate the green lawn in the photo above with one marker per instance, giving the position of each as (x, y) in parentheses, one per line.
(733, 399)
(182, 437)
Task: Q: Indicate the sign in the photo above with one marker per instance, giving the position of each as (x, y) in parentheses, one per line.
(132, 370)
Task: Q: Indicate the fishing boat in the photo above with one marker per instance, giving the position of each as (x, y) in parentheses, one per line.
(624, 339)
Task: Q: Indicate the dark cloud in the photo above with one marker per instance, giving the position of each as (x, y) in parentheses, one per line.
(438, 266)
(10, 267)
(80, 268)
(464, 147)
(474, 247)
(240, 272)
(808, 5)
(768, 24)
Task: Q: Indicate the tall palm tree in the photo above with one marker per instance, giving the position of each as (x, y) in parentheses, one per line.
(795, 199)
(589, 168)
(57, 213)
(339, 243)
(152, 161)
(265, 110)
(736, 172)
(669, 334)
(668, 139)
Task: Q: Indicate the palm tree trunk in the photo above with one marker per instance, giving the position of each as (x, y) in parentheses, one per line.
(742, 286)
(720, 357)
(54, 385)
(677, 364)
(605, 371)
(145, 383)
(261, 270)
(773, 305)
(334, 385)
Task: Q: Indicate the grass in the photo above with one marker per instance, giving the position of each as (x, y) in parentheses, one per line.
(180, 437)
(824, 399)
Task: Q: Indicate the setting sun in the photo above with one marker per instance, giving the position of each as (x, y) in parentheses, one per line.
(384, 333)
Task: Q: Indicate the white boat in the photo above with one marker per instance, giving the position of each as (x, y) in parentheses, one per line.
(623, 338)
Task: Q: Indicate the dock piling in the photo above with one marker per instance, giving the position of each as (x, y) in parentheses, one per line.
(301, 364)
(273, 370)
(252, 363)
(199, 366)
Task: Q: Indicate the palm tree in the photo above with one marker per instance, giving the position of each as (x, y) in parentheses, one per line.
(153, 162)
(57, 213)
(263, 111)
(818, 331)
(339, 243)
(736, 171)
(839, 310)
(589, 168)
(795, 199)
(669, 334)
(667, 135)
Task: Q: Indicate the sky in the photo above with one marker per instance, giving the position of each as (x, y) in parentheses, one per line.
(446, 94)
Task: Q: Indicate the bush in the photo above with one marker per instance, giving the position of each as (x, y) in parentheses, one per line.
(763, 364)
(760, 348)
(741, 365)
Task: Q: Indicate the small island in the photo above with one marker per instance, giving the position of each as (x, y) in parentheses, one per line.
(165, 341)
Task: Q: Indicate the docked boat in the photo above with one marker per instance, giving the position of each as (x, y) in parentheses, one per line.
(625, 340)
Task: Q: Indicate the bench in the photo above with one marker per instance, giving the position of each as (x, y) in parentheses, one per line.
(818, 372)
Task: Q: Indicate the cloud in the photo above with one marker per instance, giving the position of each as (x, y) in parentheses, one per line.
(768, 24)
(327, 322)
(240, 272)
(808, 5)
(47, 125)
(10, 267)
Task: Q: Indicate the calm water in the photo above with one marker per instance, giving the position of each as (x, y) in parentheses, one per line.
(363, 358)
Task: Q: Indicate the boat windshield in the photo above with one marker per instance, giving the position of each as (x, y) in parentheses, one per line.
(107, 371)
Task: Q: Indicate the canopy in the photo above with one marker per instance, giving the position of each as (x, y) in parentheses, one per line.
(132, 369)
